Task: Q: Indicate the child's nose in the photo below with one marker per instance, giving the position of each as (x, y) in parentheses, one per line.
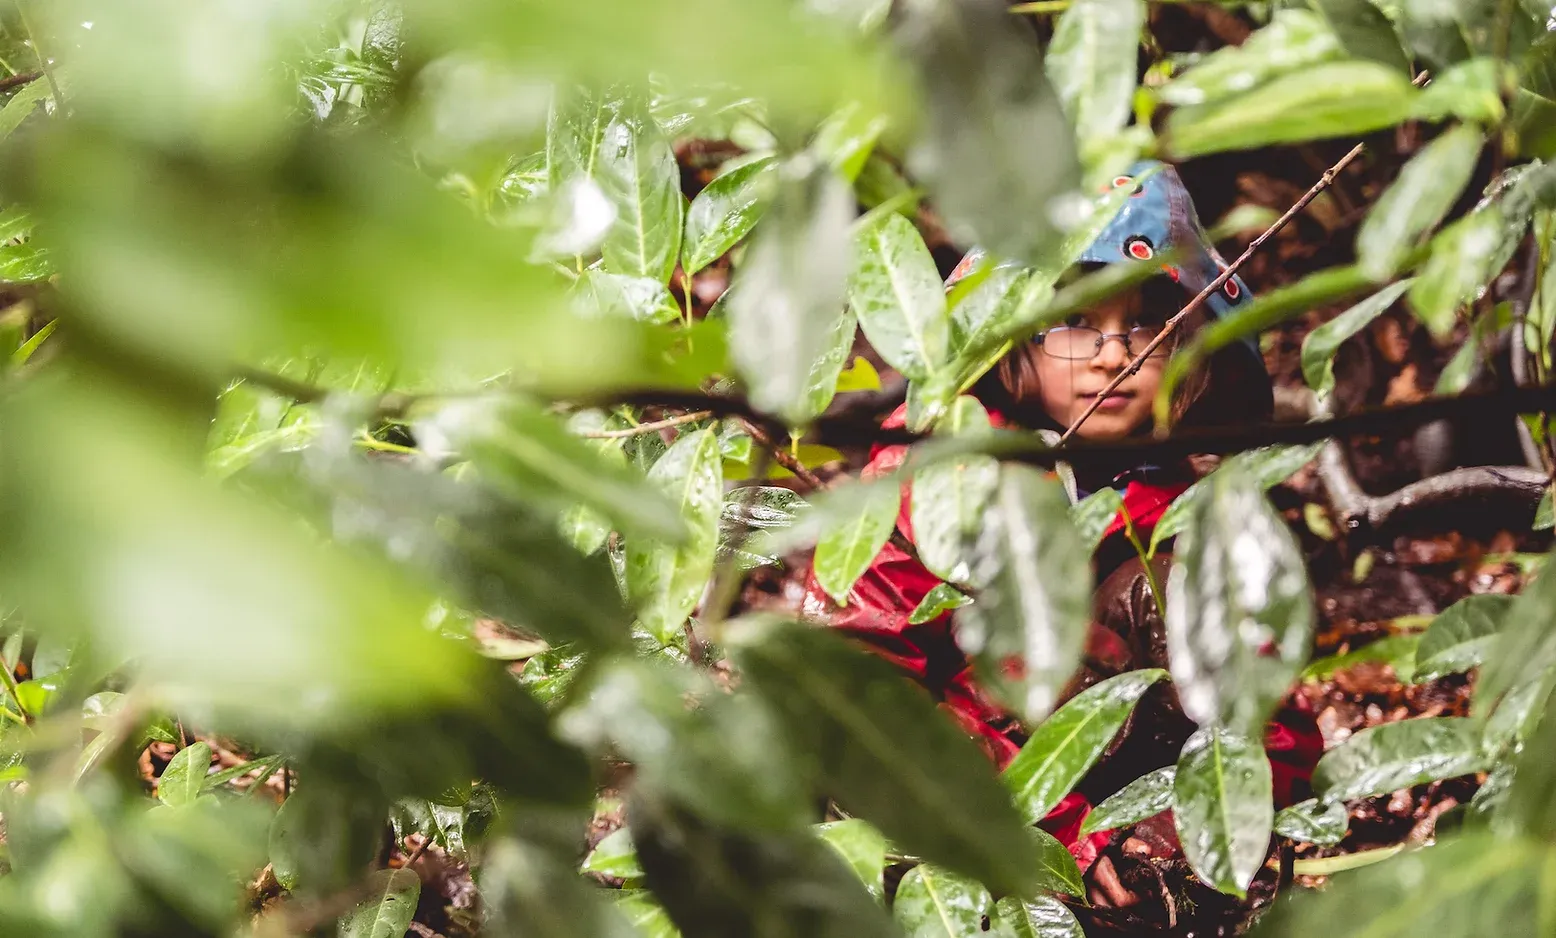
(1113, 355)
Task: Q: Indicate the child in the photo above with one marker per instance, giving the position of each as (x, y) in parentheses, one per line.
(1048, 383)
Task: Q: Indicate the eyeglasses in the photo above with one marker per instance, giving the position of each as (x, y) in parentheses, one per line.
(1079, 343)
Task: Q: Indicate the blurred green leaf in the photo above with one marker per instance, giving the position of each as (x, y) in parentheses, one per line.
(1320, 345)
(940, 600)
(1459, 266)
(1426, 189)
(1295, 40)
(886, 753)
(529, 890)
(1269, 466)
(948, 499)
(847, 139)
(1240, 611)
(648, 918)
(862, 847)
(1095, 513)
(1043, 917)
(1382, 759)
(1145, 797)
(1091, 63)
(849, 545)
(615, 856)
(726, 211)
(1067, 744)
(667, 580)
(826, 372)
(599, 293)
(896, 291)
(1444, 33)
(388, 911)
(1314, 822)
(21, 105)
(1033, 581)
(324, 837)
(1365, 32)
(1525, 653)
(1330, 99)
(184, 778)
(1470, 91)
(986, 104)
(1545, 514)
(936, 903)
(1222, 808)
(989, 309)
(1534, 104)
(1461, 637)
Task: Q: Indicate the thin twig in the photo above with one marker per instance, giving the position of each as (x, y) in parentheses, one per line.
(643, 428)
(782, 456)
(16, 81)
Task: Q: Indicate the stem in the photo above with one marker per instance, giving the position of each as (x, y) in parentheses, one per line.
(643, 428)
(37, 51)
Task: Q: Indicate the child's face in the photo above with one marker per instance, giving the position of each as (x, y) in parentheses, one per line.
(1072, 368)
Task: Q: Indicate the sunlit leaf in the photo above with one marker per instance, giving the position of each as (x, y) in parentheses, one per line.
(937, 602)
(1294, 40)
(1222, 807)
(1426, 189)
(1469, 91)
(1382, 759)
(1145, 797)
(848, 546)
(184, 778)
(388, 911)
(948, 498)
(1314, 822)
(1091, 63)
(1043, 917)
(864, 849)
(614, 856)
(601, 293)
(936, 903)
(1461, 637)
(897, 293)
(667, 580)
(726, 211)
(1320, 346)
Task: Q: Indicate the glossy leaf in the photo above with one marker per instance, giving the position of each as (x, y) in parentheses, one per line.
(1294, 40)
(667, 580)
(1239, 606)
(647, 917)
(936, 903)
(184, 778)
(896, 291)
(1386, 758)
(847, 139)
(1057, 870)
(1458, 268)
(1332, 99)
(790, 287)
(987, 104)
(1091, 63)
(1426, 189)
(21, 105)
(1365, 32)
(1222, 808)
(886, 753)
(1544, 514)
(1067, 744)
(599, 293)
(1145, 797)
(388, 911)
(1033, 577)
(988, 309)
(636, 170)
(1320, 346)
(614, 856)
(726, 211)
(1469, 91)
(1043, 917)
(1269, 466)
(848, 547)
(825, 378)
(862, 847)
(1461, 637)
(948, 498)
(1095, 513)
(940, 600)
(1314, 822)
(1526, 650)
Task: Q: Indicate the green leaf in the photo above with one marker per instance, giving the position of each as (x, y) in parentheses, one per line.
(1459, 266)
(1320, 346)
(1314, 822)
(1545, 514)
(1095, 513)
(1469, 91)
(989, 309)
(1461, 637)
(988, 105)
(897, 293)
(1091, 64)
(599, 293)
(1526, 651)
(668, 580)
(1269, 466)
(184, 778)
(726, 211)
(847, 139)
(785, 298)
(321, 840)
(648, 918)
(948, 498)
(936, 903)
(1067, 744)
(1534, 104)
(937, 602)
(636, 170)
(1043, 917)
(887, 754)
(1386, 758)
(1332, 99)
(1145, 797)
(826, 372)
(21, 105)
(390, 908)
(530, 890)
(1239, 606)
(1396, 651)
(1444, 33)
(1222, 808)
(849, 545)
(862, 847)
(1295, 40)
(1427, 188)
(614, 856)
(1057, 869)
(1365, 32)
(1033, 576)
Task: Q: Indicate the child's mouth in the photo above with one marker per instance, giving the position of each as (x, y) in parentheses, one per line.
(1117, 400)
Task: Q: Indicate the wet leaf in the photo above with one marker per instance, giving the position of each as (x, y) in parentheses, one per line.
(1044, 917)
(1095, 513)
(1239, 607)
(936, 903)
(862, 847)
(1067, 744)
(1525, 652)
(1426, 189)
(849, 545)
(1461, 637)
(988, 105)
(1057, 869)
(1320, 346)
(1458, 268)
(726, 211)
(1386, 758)
(948, 498)
(1332, 99)
(896, 291)
(390, 908)
(21, 105)
(184, 778)
(847, 139)
(1145, 797)
(668, 580)
(1365, 32)
(1314, 822)
(937, 602)
(1544, 514)
(1222, 808)
(790, 287)
(1396, 651)
(887, 754)
(600, 293)
(636, 170)
(1294, 40)
(1033, 577)
(614, 856)
(1091, 63)
(826, 373)
(989, 309)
